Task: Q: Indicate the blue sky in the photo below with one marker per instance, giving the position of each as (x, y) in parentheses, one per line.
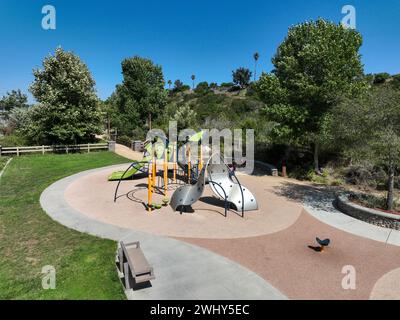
(206, 38)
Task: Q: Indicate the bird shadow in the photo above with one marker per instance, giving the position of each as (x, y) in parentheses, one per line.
(316, 249)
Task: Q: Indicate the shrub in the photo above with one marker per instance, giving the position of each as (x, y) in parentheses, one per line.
(202, 88)
(372, 201)
(365, 176)
(227, 84)
(124, 140)
(138, 134)
(380, 78)
(13, 140)
(316, 178)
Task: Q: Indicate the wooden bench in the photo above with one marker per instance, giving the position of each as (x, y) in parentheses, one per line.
(133, 264)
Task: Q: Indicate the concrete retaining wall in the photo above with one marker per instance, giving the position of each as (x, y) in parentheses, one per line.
(366, 214)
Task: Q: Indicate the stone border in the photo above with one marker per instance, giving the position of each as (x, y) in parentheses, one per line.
(367, 214)
(183, 270)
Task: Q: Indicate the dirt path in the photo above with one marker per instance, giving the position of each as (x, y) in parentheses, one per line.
(127, 152)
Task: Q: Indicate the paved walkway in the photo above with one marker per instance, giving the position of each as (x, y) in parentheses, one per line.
(127, 152)
(183, 271)
(318, 201)
(272, 257)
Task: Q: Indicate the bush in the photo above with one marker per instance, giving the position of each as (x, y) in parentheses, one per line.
(138, 134)
(316, 178)
(365, 176)
(125, 140)
(380, 78)
(227, 84)
(234, 88)
(372, 201)
(202, 88)
(13, 140)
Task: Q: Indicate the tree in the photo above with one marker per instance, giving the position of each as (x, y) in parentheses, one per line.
(185, 117)
(13, 99)
(68, 106)
(18, 118)
(368, 129)
(256, 56)
(143, 83)
(202, 88)
(241, 77)
(179, 86)
(169, 84)
(318, 62)
(193, 77)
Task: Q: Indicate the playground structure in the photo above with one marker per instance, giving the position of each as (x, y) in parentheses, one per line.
(193, 175)
(223, 183)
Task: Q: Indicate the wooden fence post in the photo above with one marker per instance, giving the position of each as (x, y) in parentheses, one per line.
(66, 149)
(0, 150)
(17, 151)
(42, 149)
(88, 148)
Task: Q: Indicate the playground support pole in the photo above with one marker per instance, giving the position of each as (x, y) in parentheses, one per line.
(166, 174)
(149, 188)
(175, 160)
(201, 159)
(189, 163)
(154, 168)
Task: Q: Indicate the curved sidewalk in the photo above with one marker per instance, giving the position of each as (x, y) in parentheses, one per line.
(183, 271)
(323, 210)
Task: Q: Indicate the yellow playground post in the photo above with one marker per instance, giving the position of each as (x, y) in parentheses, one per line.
(201, 159)
(149, 187)
(166, 173)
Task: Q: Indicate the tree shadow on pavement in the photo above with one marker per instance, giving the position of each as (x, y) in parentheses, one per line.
(319, 197)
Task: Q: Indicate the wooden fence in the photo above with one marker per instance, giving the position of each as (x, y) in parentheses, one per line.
(88, 147)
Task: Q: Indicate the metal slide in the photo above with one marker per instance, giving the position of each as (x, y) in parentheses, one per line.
(235, 193)
(188, 194)
(222, 183)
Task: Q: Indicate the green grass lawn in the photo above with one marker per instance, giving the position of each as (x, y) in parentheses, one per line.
(29, 239)
(3, 161)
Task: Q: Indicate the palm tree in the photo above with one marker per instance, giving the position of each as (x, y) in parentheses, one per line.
(256, 56)
(169, 84)
(193, 77)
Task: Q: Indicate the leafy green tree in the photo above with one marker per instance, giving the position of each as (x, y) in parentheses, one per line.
(179, 86)
(241, 77)
(13, 99)
(256, 56)
(18, 118)
(121, 112)
(68, 106)
(169, 84)
(317, 62)
(368, 129)
(202, 88)
(143, 83)
(185, 117)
